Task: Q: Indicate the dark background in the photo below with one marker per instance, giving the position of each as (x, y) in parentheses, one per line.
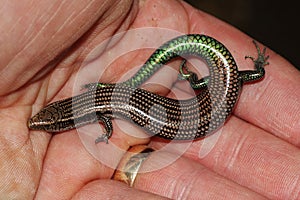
(274, 23)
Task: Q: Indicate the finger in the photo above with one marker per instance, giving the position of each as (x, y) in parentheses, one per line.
(107, 189)
(274, 103)
(253, 158)
(187, 179)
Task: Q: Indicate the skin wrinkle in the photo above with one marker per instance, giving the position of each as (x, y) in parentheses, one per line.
(278, 127)
(294, 193)
(27, 166)
(17, 23)
(235, 154)
(12, 64)
(286, 190)
(187, 189)
(256, 158)
(131, 14)
(183, 183)
(92, 38)
(181, 187)
(188, 14)
(54, 34)
(284, 120)
(68, 20)
(74, 56)
(274, 166)
(107, 20)
(32, 42)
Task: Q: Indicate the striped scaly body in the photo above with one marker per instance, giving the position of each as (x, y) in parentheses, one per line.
(161, 116)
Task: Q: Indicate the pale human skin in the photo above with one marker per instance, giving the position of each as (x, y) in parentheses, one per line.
(257, 155)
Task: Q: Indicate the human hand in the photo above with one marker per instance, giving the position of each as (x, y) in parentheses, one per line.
(253, 156)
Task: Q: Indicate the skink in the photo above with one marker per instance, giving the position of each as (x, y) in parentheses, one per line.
(160, 116)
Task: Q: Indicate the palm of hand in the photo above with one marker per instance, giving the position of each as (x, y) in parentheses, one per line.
(244, 153)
